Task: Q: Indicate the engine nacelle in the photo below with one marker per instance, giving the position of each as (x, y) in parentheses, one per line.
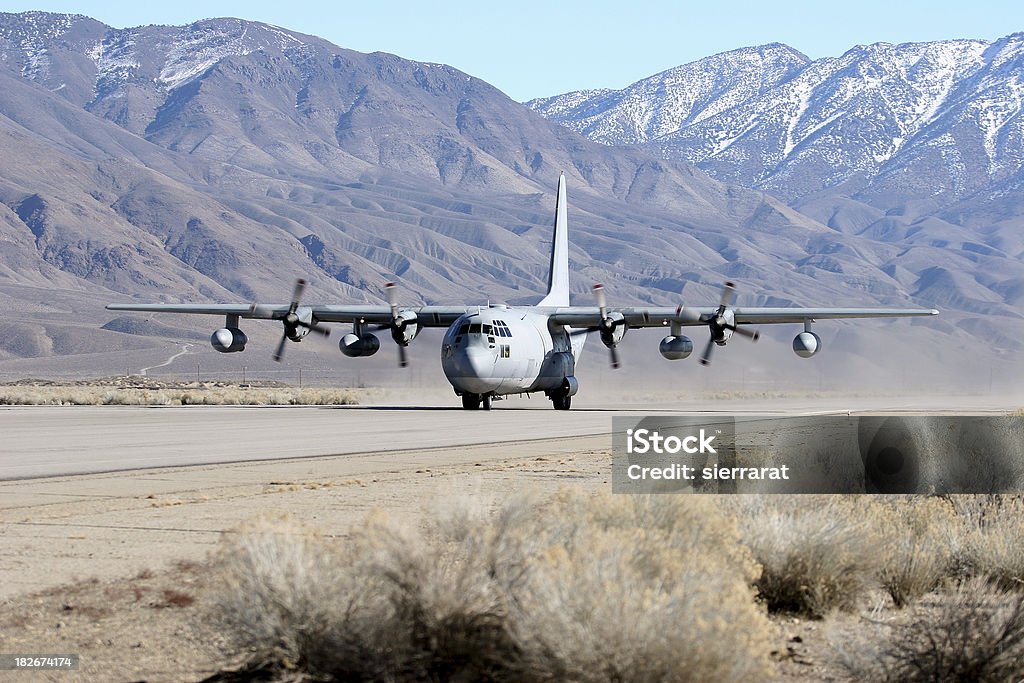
(297, 333)
(355, 346)
(613, 334)
(675, 347)
(229, 340)
(406, 328)
(806, 344)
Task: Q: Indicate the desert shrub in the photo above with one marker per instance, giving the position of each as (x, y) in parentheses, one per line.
(575, 587)
(992, 539)
(920, 536)
(286, 593)
(640, 588)
(817, 553)
(973, 632)
(194, 395)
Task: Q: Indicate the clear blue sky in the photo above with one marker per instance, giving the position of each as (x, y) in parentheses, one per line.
(530, 49)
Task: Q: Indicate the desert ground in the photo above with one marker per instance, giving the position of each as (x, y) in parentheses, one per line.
(110, 516)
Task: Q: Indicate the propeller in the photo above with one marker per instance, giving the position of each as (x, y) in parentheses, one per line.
(607, 324)
(728, 296)
(391, 291)
(399, 323)
(722, 320)
(291, 320)
(705, 358)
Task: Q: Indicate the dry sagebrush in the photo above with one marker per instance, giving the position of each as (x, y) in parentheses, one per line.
(919, 539)
(991, 540)
(817, 553)
(972, 633)
(575, 587)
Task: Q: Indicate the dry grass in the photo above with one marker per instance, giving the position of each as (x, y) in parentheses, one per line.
(196, 394)
(576, 587)
(991, 542)
(824, 553)
(920, 538)
(970, 633)
(817, 553)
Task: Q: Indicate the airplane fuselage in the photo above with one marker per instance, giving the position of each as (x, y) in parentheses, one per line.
(504, 350)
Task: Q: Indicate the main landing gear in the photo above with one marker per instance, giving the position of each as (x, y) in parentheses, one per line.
(561, 398)
(476, 401)
(561, 401)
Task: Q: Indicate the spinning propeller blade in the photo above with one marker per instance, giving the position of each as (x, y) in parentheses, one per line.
(607, 323)
(721, 322)
(391, 292)
(291, 320)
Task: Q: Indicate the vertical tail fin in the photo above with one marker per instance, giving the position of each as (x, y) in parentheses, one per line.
(558, 276)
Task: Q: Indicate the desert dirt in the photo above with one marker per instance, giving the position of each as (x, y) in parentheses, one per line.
(140, 610)
(117, 567)
(122, 563)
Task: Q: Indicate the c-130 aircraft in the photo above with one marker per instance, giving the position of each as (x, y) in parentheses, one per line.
(492, 351)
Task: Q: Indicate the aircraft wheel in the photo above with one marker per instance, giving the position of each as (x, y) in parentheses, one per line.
(470, 401)
(486, 402)
(561, 401)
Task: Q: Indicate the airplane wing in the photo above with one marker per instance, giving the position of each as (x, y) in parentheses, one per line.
(663, 316)
(426, 316)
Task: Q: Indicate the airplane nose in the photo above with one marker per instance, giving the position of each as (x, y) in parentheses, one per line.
(472, 369)
(477, 362)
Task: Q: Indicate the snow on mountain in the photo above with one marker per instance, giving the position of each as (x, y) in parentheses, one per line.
(115, 59)
(183, 52)
(765, 118)
(673, 99)
(160, 57)
(31, 34)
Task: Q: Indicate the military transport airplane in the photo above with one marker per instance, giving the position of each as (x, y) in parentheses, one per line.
(492, 351)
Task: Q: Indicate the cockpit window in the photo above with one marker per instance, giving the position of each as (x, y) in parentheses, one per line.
(501, 329)
(498, 329)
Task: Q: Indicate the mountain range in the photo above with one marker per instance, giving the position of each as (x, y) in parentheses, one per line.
(918, 143)
(939, 120)
(223, 159)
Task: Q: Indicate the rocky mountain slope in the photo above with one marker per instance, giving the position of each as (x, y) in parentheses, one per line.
(937, 119)
(222, 159)
(912, 144)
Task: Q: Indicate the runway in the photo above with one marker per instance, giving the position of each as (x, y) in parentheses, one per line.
(47, 441)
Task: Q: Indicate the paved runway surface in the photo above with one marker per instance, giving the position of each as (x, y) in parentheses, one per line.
(47, 441)
(51, 441)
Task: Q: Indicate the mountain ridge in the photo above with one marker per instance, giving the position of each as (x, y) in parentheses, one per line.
(222, 159)
(892, 99)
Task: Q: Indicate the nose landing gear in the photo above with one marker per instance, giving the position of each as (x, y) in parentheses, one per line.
(476, 401)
